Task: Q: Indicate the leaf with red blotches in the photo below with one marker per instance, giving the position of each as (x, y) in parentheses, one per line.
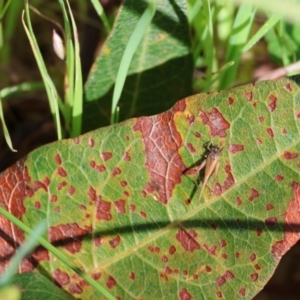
(122, 201)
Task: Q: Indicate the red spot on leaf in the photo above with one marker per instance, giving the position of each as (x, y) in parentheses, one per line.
(150, 248)
(228, 275)
(123, 183)
(234, 148)
(238, 201)
(82, 207)
(61, 185)
(126, 194)
(61, 172)
(103, 210)
(120, 206)
(220, 281)
(132, 207)
(164, 258)
(57, 209)
(219, 294)
(249, 96)
(126, 156)
(100, 168)
(230, 100)
(115, 242)
(258, 232)
(258, 141)
(143, 214)
(279, 177)
(254, 194)
(272, 104)
(46, 182)
(213, 227)
(98, 241)
(223, 243)
(164, 276)
(242, 292)
(75, 288)
(288, 87)
(224, 256)
(111, 282)
(208, 269)
(91, 143)
(269, 206)
(96, 276)
(185, 272)
(211, 250)
(270, 132)
(191, 148)
(71, 190)
(191, 119)
(237, 254)
(92, 194)
(252, 257)
(290, 155)
(187, 240)
(157, 249)
(57, 159)
(216, 122)
(168, 270)
(172, 250)
(257, 267)
(261, 119)
(92, 164)
(197, 134)
(271, 221)
(76, 140)
(298, 115)
(284, 131)
(254, 276)
(37, 204)
(195, 277)
(184, 295)
(116, 171)
(106, 155)
(132, 275)
(60, 277)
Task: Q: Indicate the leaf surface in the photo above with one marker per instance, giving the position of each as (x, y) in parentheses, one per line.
(160, 72)
(122, 201)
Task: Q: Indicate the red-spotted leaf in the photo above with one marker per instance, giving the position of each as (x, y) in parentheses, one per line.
(122, 202)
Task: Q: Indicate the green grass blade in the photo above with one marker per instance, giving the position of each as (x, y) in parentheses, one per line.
(100, 11)
(271, 22)
(131, 47)
(52, 94)
(240, 32)
(78, 84)
(5, 130)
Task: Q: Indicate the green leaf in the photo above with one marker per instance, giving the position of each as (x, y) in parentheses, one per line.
(36, 286)
(161, 65)
(122, 202)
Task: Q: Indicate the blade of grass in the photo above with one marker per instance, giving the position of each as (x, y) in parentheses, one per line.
(270, 23)
(56, 253)
(100, 11)
(78, 84)
(240, 32)
(52, 94)
(133, 42)
(5, 130)
(20, 88)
